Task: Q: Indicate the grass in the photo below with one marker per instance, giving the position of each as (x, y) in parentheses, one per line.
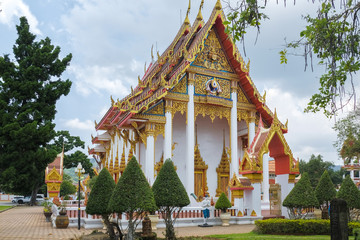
(250, 236)
(4, 207)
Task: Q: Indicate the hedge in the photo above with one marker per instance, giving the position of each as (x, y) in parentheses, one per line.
(298, 227)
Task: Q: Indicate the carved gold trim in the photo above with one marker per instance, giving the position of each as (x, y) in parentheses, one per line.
(213, 101)
(223, 169)
(201, 88)
(210, 72)
(212, 111)
(179, 107)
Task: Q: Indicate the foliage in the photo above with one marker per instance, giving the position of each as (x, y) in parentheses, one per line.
(170, 195)
(30, 86)
(223, 203)
(99, 198)
(325, 191)
(301, 196)
(316, 166)
(91, 182)
(253, 235)
(47, 206)
(299, 226)
(64, 141)
(332, 36)
(67, 188)
(133, 196)
(348, 137)
(350, 193)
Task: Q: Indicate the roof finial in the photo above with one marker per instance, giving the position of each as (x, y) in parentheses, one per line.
(152, 54)
(218, 5)
(187, 21)
(199, 16)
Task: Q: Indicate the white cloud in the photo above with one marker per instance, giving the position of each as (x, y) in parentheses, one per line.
(77, 124)
(308, 133)
(101, 79)
(12, 10)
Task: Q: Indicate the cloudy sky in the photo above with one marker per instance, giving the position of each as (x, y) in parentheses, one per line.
(111, 41)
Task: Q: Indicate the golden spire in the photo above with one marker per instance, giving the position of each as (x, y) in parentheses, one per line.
(111, 167)
(196, 142)
(122, 163)
(152, 53)
(218, 5)
(199, 17)
(187, 21)
(116, 168)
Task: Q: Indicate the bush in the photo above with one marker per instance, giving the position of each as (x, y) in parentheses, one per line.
(298, 227)
(223, 203)
(350, 193)
(356, 233)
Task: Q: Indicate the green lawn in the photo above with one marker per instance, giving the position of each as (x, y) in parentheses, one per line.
(4, 207)
(250, 236)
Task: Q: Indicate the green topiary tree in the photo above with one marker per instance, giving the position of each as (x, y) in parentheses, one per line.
(350, 193)
(170, 195)
(67, 188)
(133, 196)
(301, 196)
(325, 191)
(223, 203)
(100, 195)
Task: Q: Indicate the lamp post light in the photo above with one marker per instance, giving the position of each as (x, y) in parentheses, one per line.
(79, 171)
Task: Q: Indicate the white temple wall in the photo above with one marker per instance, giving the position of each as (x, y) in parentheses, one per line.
(286, 188)
(142, 156)
(179, 136)
(159, 148)
(210, 140)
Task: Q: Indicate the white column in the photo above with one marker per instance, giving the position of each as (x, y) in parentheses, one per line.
(256, 199)
(150, 153)
(265, 205)
(190, 139)
(234, 137)
(168, 133)
(286, 188)
(251, 127)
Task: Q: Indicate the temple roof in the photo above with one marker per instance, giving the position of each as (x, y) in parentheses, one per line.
(164, 74)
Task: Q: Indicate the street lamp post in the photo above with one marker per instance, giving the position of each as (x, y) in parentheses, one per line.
(79, 171)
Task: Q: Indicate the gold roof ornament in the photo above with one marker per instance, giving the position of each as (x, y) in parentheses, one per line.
(218, 5)
(112, 100)
(116, 168)
(187, 21)
(122, 162)
(199, 16)
(152, 53)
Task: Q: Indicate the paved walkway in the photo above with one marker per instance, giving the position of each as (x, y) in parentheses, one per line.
(25, 222)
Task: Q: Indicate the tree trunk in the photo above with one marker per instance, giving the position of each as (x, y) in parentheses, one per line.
(109, 226)
(170, 233)
(33, 195)
(131, 231)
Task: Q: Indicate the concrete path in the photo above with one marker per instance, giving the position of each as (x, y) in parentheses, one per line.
(23, 222)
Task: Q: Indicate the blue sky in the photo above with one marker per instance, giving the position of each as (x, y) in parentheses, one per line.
(111, 41)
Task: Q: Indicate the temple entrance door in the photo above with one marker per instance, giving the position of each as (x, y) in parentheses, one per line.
(275, 199)
(224, 182)
(199, 184)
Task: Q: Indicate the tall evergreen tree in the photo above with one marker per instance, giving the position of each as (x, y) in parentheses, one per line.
(133, 196)
(325, 191)
(30, 86)
(170, 195)
(301, 196)
(350, 193)
(99, 198)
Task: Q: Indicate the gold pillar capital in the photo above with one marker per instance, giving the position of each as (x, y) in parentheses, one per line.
(191, 78)
(233, 86)
(150, 129)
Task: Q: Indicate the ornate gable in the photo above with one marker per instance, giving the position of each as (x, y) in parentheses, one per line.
(213, 56)
(158, 109)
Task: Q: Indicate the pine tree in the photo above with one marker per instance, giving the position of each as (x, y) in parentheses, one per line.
(223, 203)
(325, 191)
(30, 86)
(170, 195)
(99, 198)
(350, 193)
(133, 196)
(301, 196)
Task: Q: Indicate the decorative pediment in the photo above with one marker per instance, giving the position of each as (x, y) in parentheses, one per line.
(212, 86)
(181, 86)
(158, 109)
(54, 175)
(213, 56)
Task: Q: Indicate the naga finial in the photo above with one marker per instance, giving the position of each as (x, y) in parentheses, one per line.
(152, 54)
(218, 5)
(188, 10)
(264, 97)
(112, 100)
(199, 16)
(187, 21)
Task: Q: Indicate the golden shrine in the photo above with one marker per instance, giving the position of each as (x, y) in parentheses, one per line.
(54, 176)
(197, 104)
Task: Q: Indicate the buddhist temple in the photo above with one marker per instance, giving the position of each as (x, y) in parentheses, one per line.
(197, 104)
(54, 176)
